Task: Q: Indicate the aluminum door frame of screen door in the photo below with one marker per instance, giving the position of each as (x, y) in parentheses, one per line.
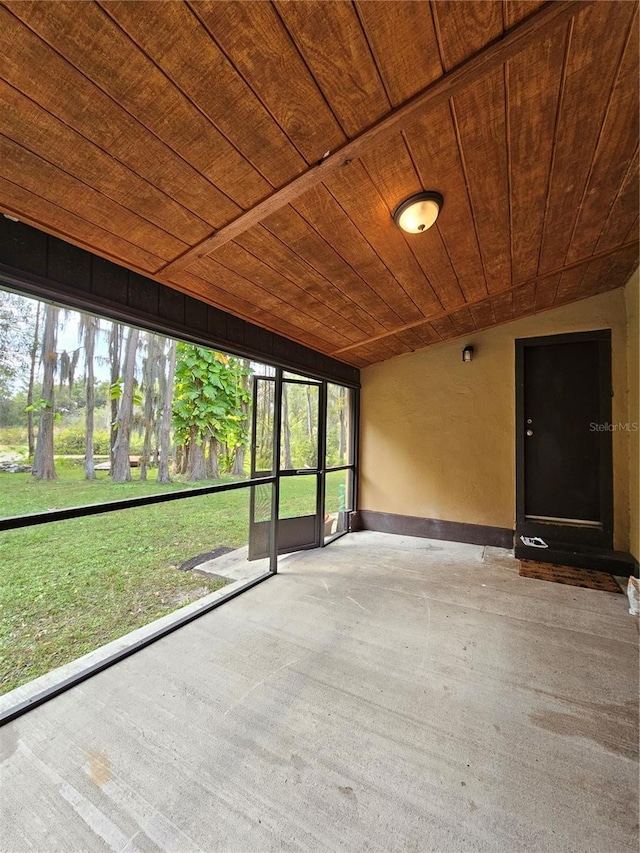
(298, 527)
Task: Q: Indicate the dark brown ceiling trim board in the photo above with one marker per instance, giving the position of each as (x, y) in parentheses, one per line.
(595, 257)
(490, 58)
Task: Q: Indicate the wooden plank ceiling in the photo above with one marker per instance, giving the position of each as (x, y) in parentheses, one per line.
(188, 141)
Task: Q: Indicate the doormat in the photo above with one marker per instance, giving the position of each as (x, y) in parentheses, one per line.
(569, 575)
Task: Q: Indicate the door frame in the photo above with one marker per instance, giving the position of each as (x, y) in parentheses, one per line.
(575, 535)
(282, 533)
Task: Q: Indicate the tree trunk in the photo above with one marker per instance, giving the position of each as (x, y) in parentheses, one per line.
(342, 440)
(120, 469)
(91, 327)
(179, 463)
(161, 377)
(43, 462)
(196, 467)
(115, 356)
(165, 426)
(213, 466)
(309, 413)
(287, 462)
(238, 462)
(33, 355)
(237, 470)
(149, 409)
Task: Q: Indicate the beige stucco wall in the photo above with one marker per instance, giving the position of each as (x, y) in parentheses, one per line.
(633, 366)
(438, 436)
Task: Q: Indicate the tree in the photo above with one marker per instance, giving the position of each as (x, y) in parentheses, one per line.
(152, 368)
(237, 469)
(88, 329)
(67, 367)
(15, 337)
(116, 335)
(120, 468)
(18, 317)
(233, 428)
(299, 417)
(287, 462)
(165, 420)
(33, 356)
(207, 408)
(43, 462)
(342, 416)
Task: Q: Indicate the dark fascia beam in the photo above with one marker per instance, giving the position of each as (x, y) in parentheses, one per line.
(491, 57)
(38, 264)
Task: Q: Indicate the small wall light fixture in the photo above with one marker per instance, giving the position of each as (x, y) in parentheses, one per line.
(467, 353)
(418, 213)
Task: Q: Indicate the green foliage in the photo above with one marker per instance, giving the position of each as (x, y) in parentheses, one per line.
(72, 440)
(71, 401)
(115, 391)
(41, 405)
(17, 321)
(13, 435)
(303, 448)
(209, 397)
(302, 421)
(337, 425)
(12, 408)
(69, 440)
(37, 406)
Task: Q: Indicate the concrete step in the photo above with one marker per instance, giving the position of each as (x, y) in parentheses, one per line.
(564, 554)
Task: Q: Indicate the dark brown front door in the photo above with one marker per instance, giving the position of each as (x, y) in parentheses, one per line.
(564, 438)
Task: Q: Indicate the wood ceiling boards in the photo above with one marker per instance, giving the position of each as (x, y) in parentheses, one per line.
(187, 141)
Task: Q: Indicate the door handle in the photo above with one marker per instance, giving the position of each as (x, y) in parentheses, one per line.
(529, 432)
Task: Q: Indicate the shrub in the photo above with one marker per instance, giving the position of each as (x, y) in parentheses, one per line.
(13, 436)
(72, 440)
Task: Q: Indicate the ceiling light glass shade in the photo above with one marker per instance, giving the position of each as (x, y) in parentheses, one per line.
(418, 213)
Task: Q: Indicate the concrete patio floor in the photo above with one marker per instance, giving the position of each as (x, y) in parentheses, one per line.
(382, 694)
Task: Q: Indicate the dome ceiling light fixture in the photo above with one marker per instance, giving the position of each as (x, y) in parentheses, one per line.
(418, 212)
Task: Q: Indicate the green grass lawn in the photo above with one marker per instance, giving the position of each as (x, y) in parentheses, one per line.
(70, 586)
(22, 493)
